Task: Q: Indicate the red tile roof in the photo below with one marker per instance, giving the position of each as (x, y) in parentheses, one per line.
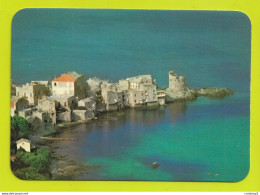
(65, 78)
(12, 158)
(12, 104)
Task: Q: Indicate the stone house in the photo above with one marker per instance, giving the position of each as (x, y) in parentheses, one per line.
(24, 143)
(44, 117)
(26, 112)
(150, 93)
(137, 97)
(70, 84)
(18, 104)
(112, 98)
(32, 92)
(67, 102)
(137, 81)
(161, 97)
(48, 105)
(88, 103)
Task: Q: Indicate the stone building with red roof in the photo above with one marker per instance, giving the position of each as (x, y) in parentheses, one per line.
(70, 84)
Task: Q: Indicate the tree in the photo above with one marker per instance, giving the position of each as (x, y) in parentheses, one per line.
(20, 128)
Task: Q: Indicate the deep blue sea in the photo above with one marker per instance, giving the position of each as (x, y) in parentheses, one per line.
(203, 140)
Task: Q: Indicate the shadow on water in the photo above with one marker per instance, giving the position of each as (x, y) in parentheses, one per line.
(109, 135)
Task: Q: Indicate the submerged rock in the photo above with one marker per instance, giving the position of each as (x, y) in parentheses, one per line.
(214, 92)
(155, 165)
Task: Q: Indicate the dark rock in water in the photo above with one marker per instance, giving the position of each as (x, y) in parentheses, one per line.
(214, 92)
(155, 165)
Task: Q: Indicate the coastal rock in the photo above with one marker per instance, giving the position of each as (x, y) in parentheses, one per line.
(186, 94)
(214, 92)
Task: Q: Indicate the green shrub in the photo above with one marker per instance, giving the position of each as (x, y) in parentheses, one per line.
(38, 160)
(29, 173)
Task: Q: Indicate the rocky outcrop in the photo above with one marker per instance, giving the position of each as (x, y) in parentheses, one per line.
(187, 94)
(214, 92)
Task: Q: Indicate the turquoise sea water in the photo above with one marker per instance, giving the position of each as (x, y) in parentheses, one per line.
(192, 141)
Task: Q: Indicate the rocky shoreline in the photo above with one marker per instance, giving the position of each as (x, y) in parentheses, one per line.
(189, 94)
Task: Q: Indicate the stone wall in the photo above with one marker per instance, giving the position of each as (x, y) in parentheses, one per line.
(124, 84)
(46, 105)
(150, 93)
(64, 116)
(26, 112)
(136, 97)
(66, 102)
(82, 115)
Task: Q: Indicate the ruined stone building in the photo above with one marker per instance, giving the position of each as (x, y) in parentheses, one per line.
(70, 84)
(88, 103)
(18, 104)
(176, 83)
(112, 96)
(48, 105)
(95, 83)
(137, 81)
(32, 92)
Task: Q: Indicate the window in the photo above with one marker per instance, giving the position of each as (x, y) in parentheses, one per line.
(55, 84)
(135, 95)
(65, 104)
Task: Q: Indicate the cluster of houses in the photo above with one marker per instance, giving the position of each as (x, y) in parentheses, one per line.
(70, 97)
